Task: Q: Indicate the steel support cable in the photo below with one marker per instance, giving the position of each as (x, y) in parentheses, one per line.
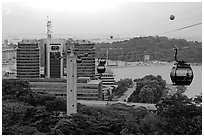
(155, 23)
(152, 25)
(189, 26)
(161, 25)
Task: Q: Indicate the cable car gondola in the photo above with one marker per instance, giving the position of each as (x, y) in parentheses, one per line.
(181, 73)
(101, 66)
(101, 69)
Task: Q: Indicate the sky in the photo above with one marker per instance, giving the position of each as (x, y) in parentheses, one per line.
(97, 19)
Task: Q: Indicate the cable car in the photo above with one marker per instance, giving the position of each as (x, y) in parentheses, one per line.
(101, 68)
(68, 51)
(102, 61)
(78, 60)
(181, 73)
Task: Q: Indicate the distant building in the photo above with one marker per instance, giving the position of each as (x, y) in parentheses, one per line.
(87, 67)
(57, 87)
(8, 54)
(108, 83)
(53, 67)
(107, 78)
(88, 89)
(6, 42)
(28, 60)
(146, 57)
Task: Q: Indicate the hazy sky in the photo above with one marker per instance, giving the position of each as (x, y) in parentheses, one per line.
(100, 19)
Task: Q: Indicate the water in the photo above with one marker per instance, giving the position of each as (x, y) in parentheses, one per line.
(134, 72)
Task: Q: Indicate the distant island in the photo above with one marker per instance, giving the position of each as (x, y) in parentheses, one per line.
(158, 49)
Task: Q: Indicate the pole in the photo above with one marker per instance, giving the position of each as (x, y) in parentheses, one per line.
(71, 84)
(107, 55)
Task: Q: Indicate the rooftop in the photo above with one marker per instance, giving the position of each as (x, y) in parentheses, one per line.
(94, 82)
(83, 42)
(28, 41)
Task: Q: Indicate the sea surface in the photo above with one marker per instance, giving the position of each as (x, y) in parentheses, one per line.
(140, 71)
(134, 72)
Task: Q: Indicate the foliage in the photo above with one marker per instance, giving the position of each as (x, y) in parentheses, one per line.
(25, 111)
(18, 89)
(149, 89)
(123, 86)
(182, 115)
(175, 115)
(159, 48)
(146, 94)
(56, 105)
(198, 100)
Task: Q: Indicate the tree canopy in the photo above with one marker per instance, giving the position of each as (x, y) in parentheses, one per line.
(149, 89)
(36, 115)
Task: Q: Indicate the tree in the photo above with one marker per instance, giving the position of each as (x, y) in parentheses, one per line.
(146, 95)
(15, 88)
(56, 105)
(154, 86)
(181, 114)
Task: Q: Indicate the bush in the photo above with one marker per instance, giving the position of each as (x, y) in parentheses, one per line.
(15, 88)
(149, 89)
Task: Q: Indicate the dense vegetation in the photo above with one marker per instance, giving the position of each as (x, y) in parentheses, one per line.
(159, 48)
(24, 112)
(123, 85)
(149, 89)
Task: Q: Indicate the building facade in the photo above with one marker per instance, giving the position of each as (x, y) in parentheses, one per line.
(8, 54)
(57, 87)
(108, 83)
(87, 89)
(53, 67)
(87, 67)
(28, 59)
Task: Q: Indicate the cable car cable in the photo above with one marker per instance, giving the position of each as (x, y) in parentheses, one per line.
(189, 26)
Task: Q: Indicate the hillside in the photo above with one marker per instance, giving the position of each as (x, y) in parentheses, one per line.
(159, 48)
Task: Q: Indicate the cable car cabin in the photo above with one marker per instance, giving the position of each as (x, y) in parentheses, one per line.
(101, 69)
(181, 74)
(102, 61)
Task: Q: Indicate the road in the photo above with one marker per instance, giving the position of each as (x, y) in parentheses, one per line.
(120, 100)
(106, 103)
(127, 93)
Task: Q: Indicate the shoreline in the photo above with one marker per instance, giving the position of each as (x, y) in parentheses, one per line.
(149, 65)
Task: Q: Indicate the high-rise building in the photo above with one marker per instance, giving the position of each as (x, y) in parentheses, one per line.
(28, 60)
(87, 67)
(54, 67)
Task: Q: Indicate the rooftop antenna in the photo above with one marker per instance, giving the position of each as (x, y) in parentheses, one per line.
(49, 27)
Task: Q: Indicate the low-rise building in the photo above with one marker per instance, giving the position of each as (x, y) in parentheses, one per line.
(87, 89)
(8, 54)
(108, 83)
